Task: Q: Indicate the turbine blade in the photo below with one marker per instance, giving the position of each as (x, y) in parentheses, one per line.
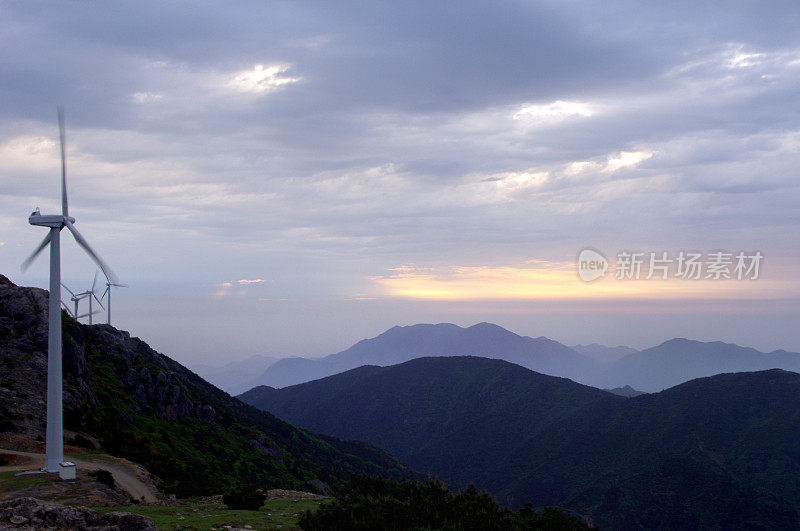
(98, 301)
(94, 282)
(66, 288)
(68, 310)
(86, 247)
(26, 264)
(62, 137)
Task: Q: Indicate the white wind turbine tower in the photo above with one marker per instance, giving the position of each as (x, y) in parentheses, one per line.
(56, 222)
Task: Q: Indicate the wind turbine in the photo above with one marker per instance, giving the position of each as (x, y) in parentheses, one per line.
(90, 294)
(56, 222)
(75, 300)
(107, 291)
(73, 313)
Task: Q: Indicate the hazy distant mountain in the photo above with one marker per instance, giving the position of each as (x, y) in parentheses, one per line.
(404, 343)
(627, 391)
(718, 452)
(236, 376)
(289, 371)
(679, 360)
(603, 353)
(653, 369)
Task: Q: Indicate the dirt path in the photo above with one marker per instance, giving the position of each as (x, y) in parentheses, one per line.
(128, 476)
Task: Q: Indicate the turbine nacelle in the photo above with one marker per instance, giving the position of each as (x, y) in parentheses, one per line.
(49, 220)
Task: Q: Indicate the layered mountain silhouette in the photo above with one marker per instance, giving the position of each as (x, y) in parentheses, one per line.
(627, 391)
(714, 452)
(650, 370)
(679, 360)
(603, 353)
(235, 376)
(403, 343)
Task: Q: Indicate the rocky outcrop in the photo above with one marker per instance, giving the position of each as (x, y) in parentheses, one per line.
(23, 368)
(30, 513)
(166, 394)
(273, 450)
(22, 332)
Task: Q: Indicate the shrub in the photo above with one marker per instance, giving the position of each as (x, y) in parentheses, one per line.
(103, 476)
(245, 497)
(377, 503)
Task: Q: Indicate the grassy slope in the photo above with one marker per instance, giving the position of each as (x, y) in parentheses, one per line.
(275, 514)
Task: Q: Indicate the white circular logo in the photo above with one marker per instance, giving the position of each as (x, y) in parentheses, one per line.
(591, 265)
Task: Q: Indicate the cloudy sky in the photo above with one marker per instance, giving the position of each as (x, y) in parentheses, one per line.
(287, 178)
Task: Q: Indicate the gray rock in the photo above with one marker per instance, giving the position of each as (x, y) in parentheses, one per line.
(207, 414)
(273, 451)
(37, 514)
(128, 521)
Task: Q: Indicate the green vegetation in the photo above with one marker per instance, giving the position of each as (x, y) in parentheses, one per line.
(368, 503)
(94, 455)
(11, 482)
(247, 497)
(274, 514)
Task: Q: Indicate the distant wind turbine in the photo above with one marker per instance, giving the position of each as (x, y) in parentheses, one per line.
(75, 299)
(56, 222)
(89, 294)
(66, 308)
(107, 291)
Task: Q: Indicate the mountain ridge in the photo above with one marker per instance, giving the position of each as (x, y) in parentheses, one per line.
(429, 387)
(650, 370)
(712, 452)
(679, 360)
(603, 353)
(402, 343)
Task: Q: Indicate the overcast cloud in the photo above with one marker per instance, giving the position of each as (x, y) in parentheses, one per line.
(324, 146)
